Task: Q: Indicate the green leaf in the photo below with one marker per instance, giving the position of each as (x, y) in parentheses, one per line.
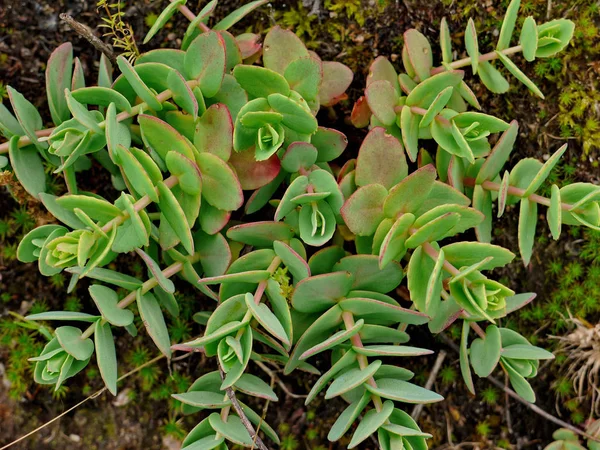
(63, 315)
(28, 116)
(445, 42)
(391, 350)
(508, 25)
(205, 62)
(438, 104)
(71, 341)
(363, 211)
(525, 352)
(154, 321)
(234, 17)
(260, 82)
(382, 99)
(435, 230)
(380, 312)
(527, 223)
(182, 94)
(297, 266)
(519, 384)
(347, 417)
(28, 167)
(254, 386)
(512, 68)
(172, 213)
(467, 253)
(318, 331)
(161, 137)
(402, 391)
(482, 202)
(203, 399)
(419, 53)
(380, 160)
(329, 143)
(370, 423)
(410, 193)
(106, 301)
(260, 234)
(334, 340)
(555, 212)
(59, 71)
(425, 93)
(102, 96)
(305, 76)
(106, 355)
(553, 37)
(472, 45)
(499, 155)
(96, 208)
(214, 131)
(140, 88)
(295, 116)
(485, 353)
(393, 246)
(409, 124)
(492, 78)
(30, 245)
(221, 187)
(233, 430)
(267, 319)
(135, 173)
(529, 38)
(351, 379)
(544, 171)
(281, 47)
(186, 171)
(163, 18)
(464, 357)
(318, 293)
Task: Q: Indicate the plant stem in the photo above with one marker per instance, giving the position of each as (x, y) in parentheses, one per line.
(517, 192)
(482, 58)
(191, 16)
(363, 362)
(146, 286)
(137, 109)
(137, 206)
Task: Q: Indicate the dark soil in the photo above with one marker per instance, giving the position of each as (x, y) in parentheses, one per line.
(30, 30)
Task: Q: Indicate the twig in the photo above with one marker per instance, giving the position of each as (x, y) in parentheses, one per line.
(513, 394)
(434, 371)
(280, 383)
(92, 396)
(240, 412)
(86, 32)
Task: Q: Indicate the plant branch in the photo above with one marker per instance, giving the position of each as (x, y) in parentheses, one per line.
(137, 206)
(240, 412)
(482, 58)
(87, 33)
(514, 395)
(363, 362)
(517, 192)
(191, 16)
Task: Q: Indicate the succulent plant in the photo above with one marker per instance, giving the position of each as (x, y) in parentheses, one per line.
(183, 133)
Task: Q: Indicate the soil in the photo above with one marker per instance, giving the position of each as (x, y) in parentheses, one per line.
(30, 30)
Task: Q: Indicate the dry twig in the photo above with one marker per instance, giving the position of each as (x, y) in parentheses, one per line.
(87, 33)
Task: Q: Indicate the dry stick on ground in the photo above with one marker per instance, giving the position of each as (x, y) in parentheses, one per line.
(280, 383)
(86, 32)
(432, 376)
(513, 394)
(236, 405)
(94, 395)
